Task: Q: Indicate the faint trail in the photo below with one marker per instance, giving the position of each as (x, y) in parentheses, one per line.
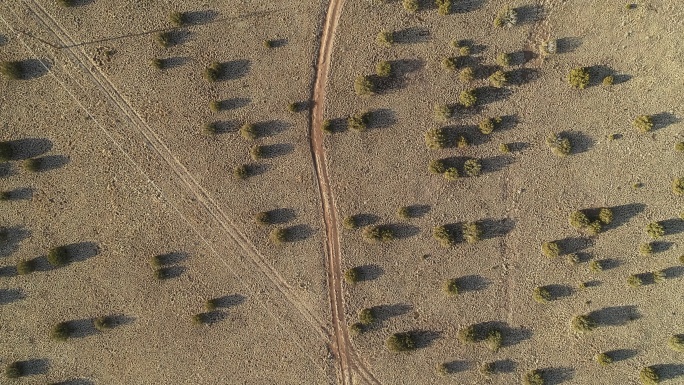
(347, 357)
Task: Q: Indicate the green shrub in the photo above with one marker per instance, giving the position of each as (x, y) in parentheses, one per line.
(464, 50)
(596, 266)
(214, 71)
(14, 370)
(579, 220)
(579, 78)
(215, 105)
(462, 142)
(350, 222)
(451, 174)
(279, 235)
(583, 323)
(269, 43)
(404, 212)
(472, 232)
(533, 377)
(378, 233)
(383, 69)
(103, 323)
(646, 248)
(263, 218)
(466, 75)
(603, 359)
(605, 215)
(256, 152)
(493, 340)
(507, 17)
(211, 128)
(472, 167)
(61, 332)
(550, 249)
(159, 64)
(467, 98)
(178, 18)
(443, 369)
(503, 59)
(559, 144)
(366, 316)
(327, 126)
(6, 151)
(449, 64)
(676, 343)
(401, 342)
(678, 186)
(658, 276)
(363, 86)
(437, 166)
(443, 6)
(608, 81)
(541, 294)
(468, 334)
(548, 47)
(12, 70)
(385, 38)
(410, 6)
(293, 107)
(572, 259)
(249, 131)
(488, 125)
(445, 236)
(635, 280)
(162, 273)
(58, 256)
(649, 376)
(643, 123)
(212, 304)
(201, 319)
(681, 259)
(356, 328)
(498, 79)
(504, 148)
(655, 230)
(352, 275)
(165, 39)
(241, 171)
(679, 146)
(451, 286)
(442, 112)
(26, 266)
(33, 164)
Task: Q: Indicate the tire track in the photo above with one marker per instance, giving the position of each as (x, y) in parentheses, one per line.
(348, 359)
(181, 173)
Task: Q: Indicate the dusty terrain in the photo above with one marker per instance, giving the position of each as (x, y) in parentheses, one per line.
(130, 174)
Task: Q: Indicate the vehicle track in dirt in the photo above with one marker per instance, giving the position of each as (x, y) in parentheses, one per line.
(349, 362)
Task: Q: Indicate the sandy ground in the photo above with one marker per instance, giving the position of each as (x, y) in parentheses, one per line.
(172, 190)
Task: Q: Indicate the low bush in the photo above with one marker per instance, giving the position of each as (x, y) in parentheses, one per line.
(467, 98)
(472, 167)
(61, 332)
(14, 370)
(401, 342)
(350, 222)
(646, 248)
(385, 38)
(498, 79)
(162, 273)
(643, 123)
(472, 232)
(268, 43)
(378, 233)
(293, 107)
(449, 64)
(466, 75)
(363, 86)
(649, 376)
(679, 146)
(437, 166)
(596, 266)
(655, 230)
(352, 275)
(593, 226)
(493, 340)
(263, 218)
(541, 294)
(443, 369)
(103, 323)
(533, 377)
(178, 18)
(507, 17)
(356, 328)
(12, 70)
(659, 276)
(451, 174)
(367, 316)
(572, 259)
(548, 47)
(468, 334)
(559, 144)
(256, 152)
(504, 148)
(436, 138)
(67, 3)
(678, 186)
(445, 235)
(676, 343)
(241, 171)
(211, 128)
(410, 6)
(358, 121)
(201, 319)
(58, 256)
(165, 39)
(503, 59)
(579, 78)
(488, 125)
(214, 71)
(249, 131)
(383, 69)
(608, 81)
(33, 164)
(451, 286)
(443, 6)
(635, 280)
(327, 126)
(605, 215)
(159, 64)
(583, 323)
(26, 266)
(462, 142)
(464, 50)
(279, 235)
(550, 249)
(603, 359)
(442, 112)
(215, 106)
(212, 304)
(404, 212)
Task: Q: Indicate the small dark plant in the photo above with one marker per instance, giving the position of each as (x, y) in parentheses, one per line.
(603, 359)
(366, 316)
(14, 370)
(401, 342)
(436, 138)
(378, 233)
(583, 323)
(26, 266)
(58, 256)
(103, 323)
(12, 70)
(451, 286)
(579, 78)
(214, 71)
(467, 98)
(279, 235)
(358, 121)
(178, 18)
(559, 144)
(352, 275)
(472, 167)
(61, 332)
(542, 294)
(472, 232)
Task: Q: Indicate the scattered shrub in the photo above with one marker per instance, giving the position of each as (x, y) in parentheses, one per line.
(504, 148)
(498, 79)
(487, 368)
(437, 166)
(350, 222)
(385, 38)
(443, 6)
(241, 171)
(442, 112)
(378, 233)
(596, 266)
(467, 98)
(572, 259)
(472, 167)
(363, 86)
(649, 376)
(451, 286)
(256, 152)
(443, 369)
(533, 377)
(603, 359)
(159, 64)
(559, 144)
(263, 218)
(211, 128)
(401, 342)
(103, 323)
(548, 47)
(449, 64)
(162, 273)
(659, 276)
(279, 235)
(6, 151)
(26, 266)
(472, 232)
(466, 75)
(681, 259)
(249, 131)
(643, 123)
(14, 370)
(358, 121)
(404, 212)
(494, 340)
(327, 126)
(605, 215)
(655, 230)
(200, 319)
(608, 81)
(468, 334)
(583, 323)
(61, 332)
(212, 304)
(635, 280)
(214, 71)
(550, 249)
(676, 343)
(507, 17)
(352, 275)
(503, 59)
(678, 186)
(451, 174)
(178, 18)
(356, 328)
(464, 50)
(579, 78)
(383, 69)
(33, 164)
(366, 316)
(165, 39)
(293, 107)
(12, 70)
(215, 106)
(445, 236)
(410, 6)
(462, 142)
(541, 294)
(679, 146)
(488, 125)
(58, 256)
(646, 248)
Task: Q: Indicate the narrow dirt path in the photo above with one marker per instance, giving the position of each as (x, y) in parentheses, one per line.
(349, 363)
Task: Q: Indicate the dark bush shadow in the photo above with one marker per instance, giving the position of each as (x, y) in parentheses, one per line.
(411, 35)
(664, 119)
(8, 271)
(397, 79)
(212, 317)
(363, 220)
(504, 366)
(199, 17)
(170, 272)
(173, 62)
(299, 233)
(385, 312)
(225, 126)
(510, 335)
(475, 49)
(50, 162)
(521, 57)
(381, 118)
(518, 146)
(255, 169)
(75, 381)
(81, 3)
(465, 6)
(402, 231)
(615, 315)
(673, 272)
(508, 122)
(579, 141)
(488, 94)
(457, 366)
(177, 37)
(270, 128)
(10, 295)
(661, 246)
(609, 263)
(418, 211)
(594, 283)
(370, 272)
(235, 69)
(35, 366)
(472, 283)
(10, 239)
(471, 133)
(234, 103)
(529, 14)
(230, 300)
(669, 371)
(522, 76)
(496, 163)
(494, 228)
(277, 43)
(621, 78)
(276, 150)
(29, 148)
(81, 251)
(3, 40)
(622, 354)
(34, 68)
(425, 338)
(623, 213)
(338, 125)
(6, 170)
(673, 226)
(568, 44)
(118, 320)
(484, 71)
(558, 375)
(281, 216)
(22, 193)
(82, 328)
(171, 258)
(559, 291)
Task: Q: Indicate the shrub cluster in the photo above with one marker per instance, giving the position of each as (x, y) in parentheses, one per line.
(507, 17)
(436, 138)
(378, 233)
(559, 144)
(643, 123)
(363, 86)
(541, 294)
(579, 78)
(594, 224)
(401, 342)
